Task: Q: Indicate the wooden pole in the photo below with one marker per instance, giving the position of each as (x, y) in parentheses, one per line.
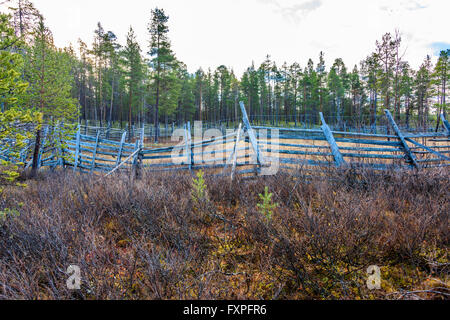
(77, 149)
(440, 155)
(338, 158)
(446, 124)
(94, 153)
(407, 150)
(238, 138)
(252, 137)
(119, 154)
(189, 154)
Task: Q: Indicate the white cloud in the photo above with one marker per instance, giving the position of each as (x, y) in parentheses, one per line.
(208, 33)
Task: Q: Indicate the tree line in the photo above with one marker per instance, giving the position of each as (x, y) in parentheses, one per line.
(129, 85)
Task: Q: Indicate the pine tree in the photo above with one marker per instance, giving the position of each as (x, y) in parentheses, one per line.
(295, 75)
(357, 95)
(441, 78)
(199, 93)
(371, 69)
(406, 90)
(182, 93)
(25, 18)
(111, 48)
(321, 74)
(423, 91)
(133, 73)
(162, 58)
(11, 64)
(12, 118)
(336, 84)
(385, 54)
(48, 71)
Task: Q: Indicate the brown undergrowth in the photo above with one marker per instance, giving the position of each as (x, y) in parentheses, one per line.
(152, 238)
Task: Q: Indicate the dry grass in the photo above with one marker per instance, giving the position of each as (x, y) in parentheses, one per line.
(149, 239)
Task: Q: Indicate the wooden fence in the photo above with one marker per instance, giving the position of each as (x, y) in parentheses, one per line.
(247, 150)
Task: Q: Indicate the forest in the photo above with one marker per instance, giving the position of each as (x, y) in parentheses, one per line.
(113, 84)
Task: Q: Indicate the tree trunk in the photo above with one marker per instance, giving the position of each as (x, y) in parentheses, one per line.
(157, 111)
(37, 147)
(112, 102)
(130, 113)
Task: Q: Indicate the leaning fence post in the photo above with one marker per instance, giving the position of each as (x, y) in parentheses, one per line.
(338, 158)
(138, 156)
(119, 153)
(189, 154)
(251, 135)
(235, 151)
(94, 153)
(77, 148)
(186, 147)
(399, 134)
(446, 124)
(135, 158)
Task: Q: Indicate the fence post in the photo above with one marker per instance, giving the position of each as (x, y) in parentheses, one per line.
(399, 134)
(138, 157)
(446, 124)
(186, 148)
(235, 151)
(190, 158)
(338, 159)
(252, 137)
(94, 153)
(77, 149)
(119, 153)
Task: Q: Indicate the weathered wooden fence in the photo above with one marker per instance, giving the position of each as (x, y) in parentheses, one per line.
(246, 150)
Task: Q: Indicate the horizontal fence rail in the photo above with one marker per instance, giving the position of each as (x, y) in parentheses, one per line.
(246, 150)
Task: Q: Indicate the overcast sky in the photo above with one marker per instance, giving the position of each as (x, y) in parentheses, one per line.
(209, 33)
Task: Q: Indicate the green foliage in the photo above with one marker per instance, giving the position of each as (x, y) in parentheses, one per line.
(11, 64)
(48, 70)
(266, 206)
(199, 192)
(8, 213)
(164, 65)
(12, 120)
(13, 137)
(441, 78)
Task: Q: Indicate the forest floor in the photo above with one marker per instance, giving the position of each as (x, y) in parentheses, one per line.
(159, 237)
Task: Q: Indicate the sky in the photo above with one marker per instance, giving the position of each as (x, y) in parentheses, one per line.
(210, 33)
